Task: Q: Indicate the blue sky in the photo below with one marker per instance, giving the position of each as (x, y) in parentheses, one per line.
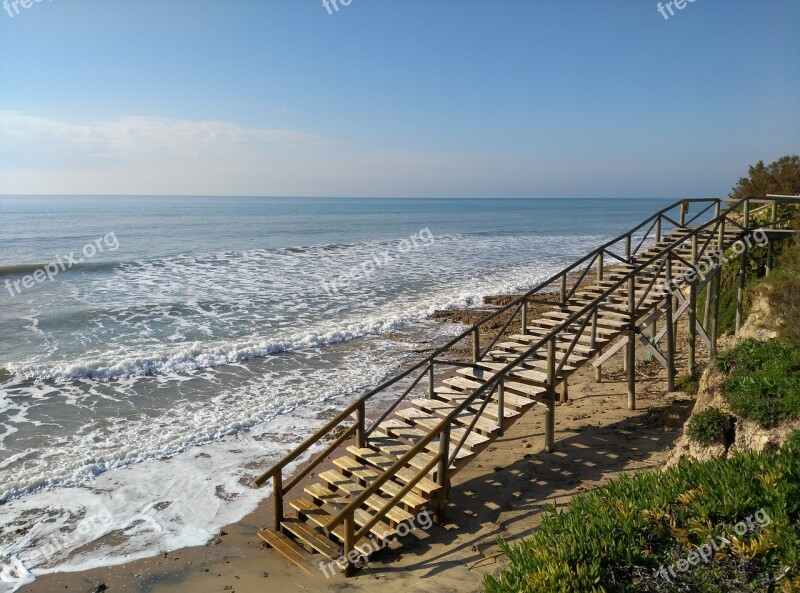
(514, 98)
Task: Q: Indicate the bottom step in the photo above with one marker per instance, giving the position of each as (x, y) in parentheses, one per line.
(287, 548)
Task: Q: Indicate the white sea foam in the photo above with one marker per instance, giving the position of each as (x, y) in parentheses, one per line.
(136, 374)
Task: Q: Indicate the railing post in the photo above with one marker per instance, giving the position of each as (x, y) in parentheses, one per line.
(441, 473)
(524, 316)
(658, 229)
(717, 208)
(277, 498)
(670, 330)
(501, 406)
(361, 418)
(692, 325)
(631, 346)
(598, 370)
(773, 220)
(563, 290)
(349, 543)
(742, 270)
(476, 344)
(628, 248)
(600, 271)
(715, 286)
(431, 381)
(684, 209)
(550, 413)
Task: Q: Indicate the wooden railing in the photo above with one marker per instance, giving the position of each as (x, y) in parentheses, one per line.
(353, 418)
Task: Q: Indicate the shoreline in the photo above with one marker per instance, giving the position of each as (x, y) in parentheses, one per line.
(235, 555)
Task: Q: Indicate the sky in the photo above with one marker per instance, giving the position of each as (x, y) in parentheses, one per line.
(411, 98)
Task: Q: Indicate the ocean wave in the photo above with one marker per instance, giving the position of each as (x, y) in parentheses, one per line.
(198, 355)
(23, 269)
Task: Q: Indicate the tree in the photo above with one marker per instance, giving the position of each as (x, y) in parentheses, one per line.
(781, 177)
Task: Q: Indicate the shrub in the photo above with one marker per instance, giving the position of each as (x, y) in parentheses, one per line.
(763, 384)
(709, 426)
(617, 538)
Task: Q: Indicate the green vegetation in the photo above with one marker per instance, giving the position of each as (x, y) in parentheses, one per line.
(618, 537)
(689, 383)
(781, 177)
(763, 381)
(783, 288)
(639, 533)
(711, 426)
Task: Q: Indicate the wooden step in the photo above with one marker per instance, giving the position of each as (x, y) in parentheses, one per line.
(452, 396)
(537, 334)
(539, 364)
(396, 428)
(512, 400)
(522, 347)
(321, 515)
(561, 316)
(487, 423)
(364, 475)
(288, 548)
(311, 536)
(394, 447)
(525, 396)
(367, 475)
(551, 324)
(381, 462)
(522, 375)
(395, 515)
(428, 421)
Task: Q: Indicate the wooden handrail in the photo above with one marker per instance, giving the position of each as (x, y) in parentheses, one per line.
(395, 499)
(520, 301)
(335, 444)
(307, 444)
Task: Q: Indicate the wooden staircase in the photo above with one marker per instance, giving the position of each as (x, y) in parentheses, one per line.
(375, 489)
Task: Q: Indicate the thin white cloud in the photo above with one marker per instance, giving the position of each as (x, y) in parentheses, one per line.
(135, 138)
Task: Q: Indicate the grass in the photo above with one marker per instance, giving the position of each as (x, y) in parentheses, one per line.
(689, 383)
(763, 381)
(711, 426)
(618, 537)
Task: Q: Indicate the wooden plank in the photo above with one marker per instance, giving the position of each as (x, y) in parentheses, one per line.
(353, 487)
(381, 462)
(320, 516)
(367, 474)
(427, 421)
(393, 446)
(442, 409)
(319, 492)
(512, 400)
(402, 430)
(312, 537)
(447, 398)
(287, 548)
(482, 374)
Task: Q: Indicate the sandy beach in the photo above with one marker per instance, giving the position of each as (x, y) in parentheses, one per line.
(500, 494)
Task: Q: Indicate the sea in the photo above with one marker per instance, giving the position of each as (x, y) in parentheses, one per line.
(158, 352)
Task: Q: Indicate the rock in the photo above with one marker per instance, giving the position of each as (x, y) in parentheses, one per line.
(99, 588)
